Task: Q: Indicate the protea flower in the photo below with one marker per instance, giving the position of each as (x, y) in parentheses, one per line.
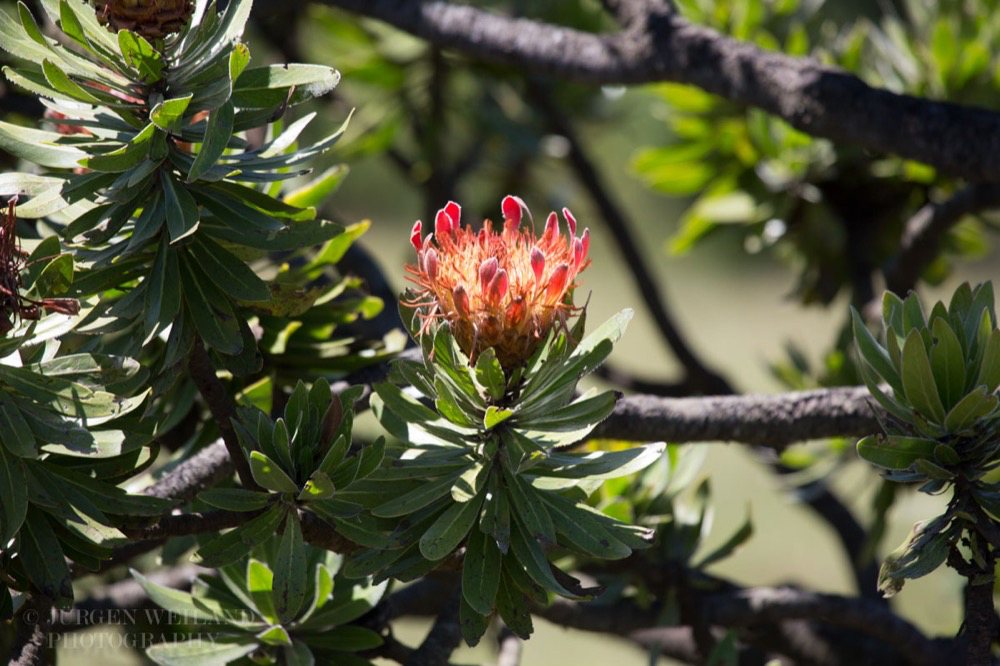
(504, 290)
(152, 19)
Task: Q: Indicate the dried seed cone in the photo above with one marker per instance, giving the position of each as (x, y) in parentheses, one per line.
(152, 19)
(503, 290)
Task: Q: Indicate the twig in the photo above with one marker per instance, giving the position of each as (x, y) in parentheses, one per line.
(921, 241)
(443, 638)
(699, 378)
(221, 407)
(31, 646)
(660, 45)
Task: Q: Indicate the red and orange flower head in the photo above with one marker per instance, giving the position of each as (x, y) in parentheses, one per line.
(504, 290)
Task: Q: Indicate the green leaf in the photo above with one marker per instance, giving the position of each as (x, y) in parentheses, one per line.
(265, 87)
(474, 625)
(583, 413)
(495, 521)
(419, 497)
(319, 486)
(481, 572)
(274, 635)
(977, 405)
(989, 373)
(128, 156)
(61, 82)
(43, 559)
(317, 190)
(490, 374)
(913, 314)
(13, 495)
(182, 209)
(210, 309)
(290, 581)
(162, 300)
(933, 471)
(895, 452)
(513, 609)
(269, 474)
(218, 132)
(232, 275)
(235, 499)
(531, 557)
(873, 354)
(495, 416)
(947, 364)
(918, 379)
(168, 114)
(529, 508)
(581, 531)
(403, 405)
(201, 652)
(450, 529)
(38, 146)
(602, 464)
(15, 434)
(141, 55)
(236, 543)
(173, 600)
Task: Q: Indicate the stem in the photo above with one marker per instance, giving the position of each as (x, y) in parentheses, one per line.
(31, 644)
(980, 618)
(220, 405)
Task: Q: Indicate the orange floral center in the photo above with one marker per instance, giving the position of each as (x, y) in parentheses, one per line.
(504, 290)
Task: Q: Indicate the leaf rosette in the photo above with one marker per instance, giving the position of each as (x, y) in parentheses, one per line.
(279, 605)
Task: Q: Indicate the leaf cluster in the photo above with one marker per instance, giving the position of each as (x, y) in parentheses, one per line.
(273, 606)
(483, 470)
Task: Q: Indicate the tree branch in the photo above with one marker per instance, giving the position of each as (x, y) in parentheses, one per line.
(772, 421)
(443, 638)
(921, 241)
(662, 46)
(202, 470)
(771, 605)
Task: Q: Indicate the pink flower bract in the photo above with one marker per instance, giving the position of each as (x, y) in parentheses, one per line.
(504, 290)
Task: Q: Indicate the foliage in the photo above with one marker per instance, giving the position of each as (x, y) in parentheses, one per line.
(254, 614)
(484, 468)
(834, 211)
(941, 429)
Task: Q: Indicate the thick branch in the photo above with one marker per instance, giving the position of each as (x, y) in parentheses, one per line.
(772, 421)
(662, 46)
